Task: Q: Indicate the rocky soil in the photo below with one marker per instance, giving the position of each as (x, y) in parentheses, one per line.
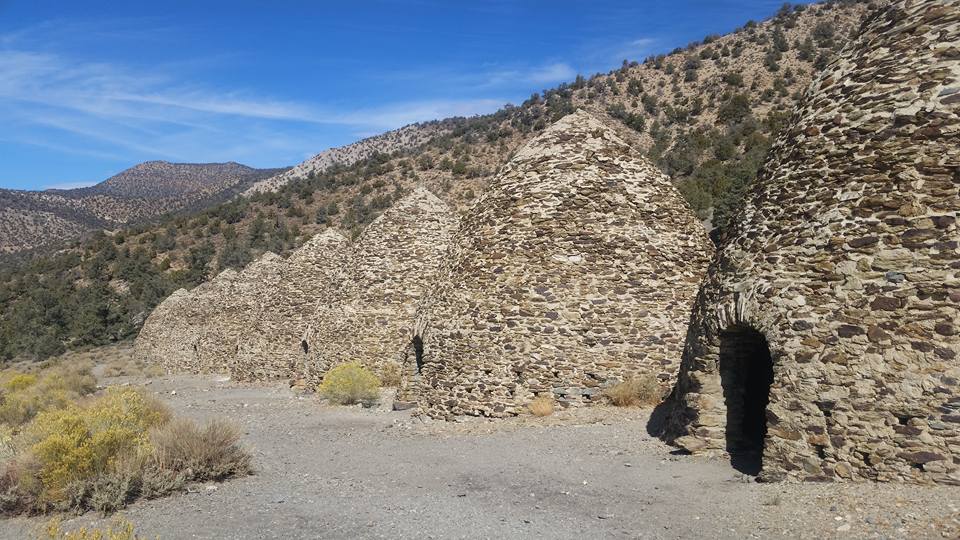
(336, 472)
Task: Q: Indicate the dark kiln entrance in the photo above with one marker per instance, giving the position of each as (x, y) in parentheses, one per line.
(418, 352)
(746, 372)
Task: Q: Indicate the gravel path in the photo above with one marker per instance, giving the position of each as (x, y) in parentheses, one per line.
(326, 472)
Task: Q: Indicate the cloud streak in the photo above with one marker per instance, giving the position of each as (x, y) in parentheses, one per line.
(100, 108)
(70, 185)
(121, 114)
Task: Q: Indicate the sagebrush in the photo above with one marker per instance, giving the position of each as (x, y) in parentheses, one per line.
(541, 406)
(350, 383)
(62, 449)
(119, 529)
(635, 391)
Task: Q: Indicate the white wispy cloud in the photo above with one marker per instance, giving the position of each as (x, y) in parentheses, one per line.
(499, 78)
(107, 107)
(552, 73)
(70, 185)
(635, 49)
(401, 114)
(116, 112)
(526, 76)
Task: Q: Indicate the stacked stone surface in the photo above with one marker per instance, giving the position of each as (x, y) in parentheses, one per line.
(225, 337)
(575, 270)
(837, 288)
(273, 346)
(152, 344)
(171, 335)
(330, 302)
(370, 319)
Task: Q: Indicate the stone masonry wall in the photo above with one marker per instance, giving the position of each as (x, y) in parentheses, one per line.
(152, 342)
(370, 317)
(330, 302)
(234, 315)
(844, 257)
(271, 347)
(171, 335)
(576, 269)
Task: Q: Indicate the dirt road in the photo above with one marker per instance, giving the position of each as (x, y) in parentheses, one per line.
(327, 472)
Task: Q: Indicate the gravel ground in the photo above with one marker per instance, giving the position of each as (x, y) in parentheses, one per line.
(329, 472)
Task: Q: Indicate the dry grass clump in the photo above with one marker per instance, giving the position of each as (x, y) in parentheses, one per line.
(390, 374)
(119, 529)
(127, 366)
(350, 383)
(635, 391)
(102, 452)
(541, 406)
(210, 452)
(23, 395)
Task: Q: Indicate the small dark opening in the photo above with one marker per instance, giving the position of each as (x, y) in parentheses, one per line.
(821, 451)
(418, 352)
(304, 346)
(746, 373)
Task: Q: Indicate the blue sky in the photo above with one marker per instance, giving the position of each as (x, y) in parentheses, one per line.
(90, 88)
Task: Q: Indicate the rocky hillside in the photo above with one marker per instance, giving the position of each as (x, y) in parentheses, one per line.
(392, 141)
(31, 219)
(705, 114)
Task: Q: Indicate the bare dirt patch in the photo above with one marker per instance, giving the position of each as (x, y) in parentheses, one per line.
(336, 472)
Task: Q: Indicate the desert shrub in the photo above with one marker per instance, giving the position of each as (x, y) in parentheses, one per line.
(19, 381)
(103, 452)
(390, 374)
(641, 390)
(25, 395)
(129, 366)
(734, 110)
(72, 473)
(78, 444)
(541, 406)
(350, 383)
(733, 79)
(6, 442)
(110, 490)
(211, 452)
(119, 529)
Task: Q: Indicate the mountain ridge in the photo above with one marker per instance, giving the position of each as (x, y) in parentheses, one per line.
(705, 114)
(402, 138)
(35, 219)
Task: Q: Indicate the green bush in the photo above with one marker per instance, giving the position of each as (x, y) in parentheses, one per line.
(350, 383)
(76, 454)
(24, 395)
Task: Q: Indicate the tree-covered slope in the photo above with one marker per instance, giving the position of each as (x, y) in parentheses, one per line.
(706, 114)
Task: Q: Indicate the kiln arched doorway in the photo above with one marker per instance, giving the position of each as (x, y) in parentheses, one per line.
(418, 352)
(746, 373)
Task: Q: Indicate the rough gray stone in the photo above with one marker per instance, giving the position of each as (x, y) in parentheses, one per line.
(871, 351)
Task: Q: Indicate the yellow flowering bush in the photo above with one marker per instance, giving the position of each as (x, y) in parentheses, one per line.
(23, 395)
(15, 381)
(119, 529)
(350, 383)
(61, 449)
(76, 442)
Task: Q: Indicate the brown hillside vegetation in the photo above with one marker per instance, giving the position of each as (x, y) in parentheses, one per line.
(31, 219)
(705, 114)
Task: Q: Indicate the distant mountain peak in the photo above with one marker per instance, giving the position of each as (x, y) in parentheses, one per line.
(139, 193)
